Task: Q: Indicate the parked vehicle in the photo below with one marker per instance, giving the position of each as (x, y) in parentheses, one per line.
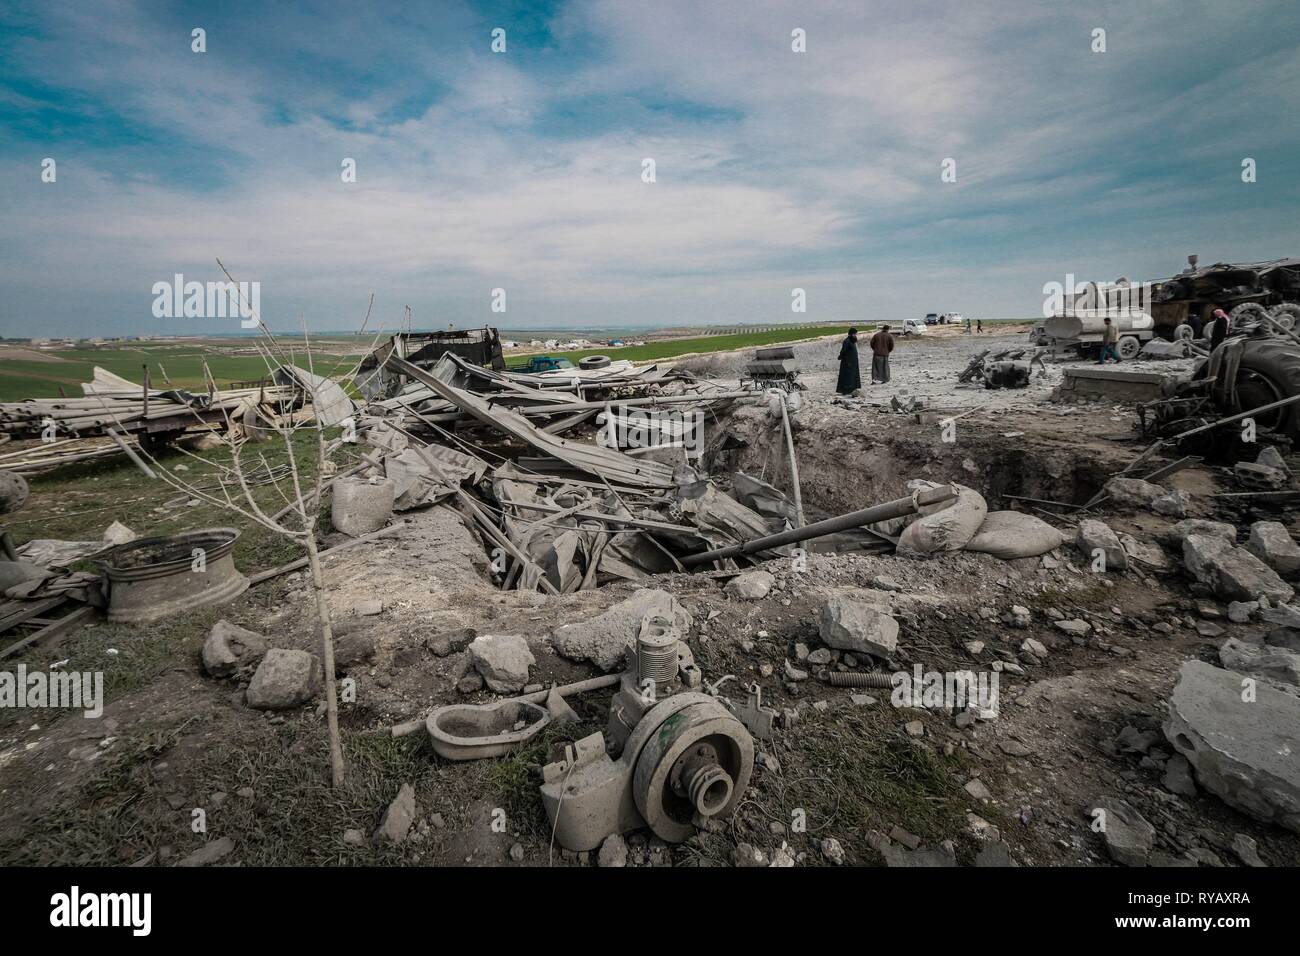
(951, 318)
(542, 363)
(932, 318)
(913, 327)
(1082, 330)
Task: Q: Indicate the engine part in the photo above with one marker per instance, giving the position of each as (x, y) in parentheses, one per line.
(855, 679)
(670, 757)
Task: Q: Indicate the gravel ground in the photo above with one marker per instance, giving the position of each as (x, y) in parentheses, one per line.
(923, 368)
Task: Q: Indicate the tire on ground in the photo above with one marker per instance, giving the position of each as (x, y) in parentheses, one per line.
(1270, 371)
(593, 361)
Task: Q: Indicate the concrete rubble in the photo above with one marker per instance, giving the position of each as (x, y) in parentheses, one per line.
(1240, 750)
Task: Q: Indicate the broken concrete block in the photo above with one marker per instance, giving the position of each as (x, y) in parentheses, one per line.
(1146, 553)
(604, 639)
(1094, 536)
(397, 819)
(1272, 458)
(848, 624)
(230, 649)
(284, 679)
(118, 533)
(210, 853)
(1232, 573)
(750, 586)
(1177, 534)
(1267, 663)
(1129, 837)
(1272, 543)
(451, 642)
(613, 851)
(1241, 750)
(361, 505)
(353, 648)
(1261, 477)
(1132, 492)
(1240, 612)
(1173, 503)
(503, 660)
(1247, 850)
(1178, 776)
(942, 855)
(1288, 637)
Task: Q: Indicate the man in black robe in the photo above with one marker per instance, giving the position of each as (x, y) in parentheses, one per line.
(850, 379)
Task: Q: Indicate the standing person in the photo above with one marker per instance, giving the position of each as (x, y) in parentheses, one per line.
(1217, 330)
(850, 379)
(979, 326)
(1109, 342)
(882, 343)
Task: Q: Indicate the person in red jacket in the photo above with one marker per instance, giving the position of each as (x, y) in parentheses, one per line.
(882, 343)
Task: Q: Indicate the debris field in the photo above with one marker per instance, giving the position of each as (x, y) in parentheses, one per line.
(707, 613)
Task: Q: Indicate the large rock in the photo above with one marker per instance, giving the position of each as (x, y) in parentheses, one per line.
(604, 639)
(503, 660)
(1233, 573)
(1243, 751)
(1177, 534)
(1268, 663)
(397, 819)
(1272, 543)
(851, 625)
(230, 649)
(1093, 535)
(1129, 837)
(1132, 492)
(750, 586)
(284, 679)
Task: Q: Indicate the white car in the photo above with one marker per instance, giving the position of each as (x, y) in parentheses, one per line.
(913, 327)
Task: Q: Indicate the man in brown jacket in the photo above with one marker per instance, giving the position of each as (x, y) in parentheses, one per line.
(882, 343)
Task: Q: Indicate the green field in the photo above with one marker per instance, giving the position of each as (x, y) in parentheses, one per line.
(672, 348)
(22, 378)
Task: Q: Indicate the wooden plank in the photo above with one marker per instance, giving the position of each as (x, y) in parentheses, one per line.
(52, 634)
(31, 610)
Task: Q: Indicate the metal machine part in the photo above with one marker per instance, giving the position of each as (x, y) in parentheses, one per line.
(154, 578)
(670, 758)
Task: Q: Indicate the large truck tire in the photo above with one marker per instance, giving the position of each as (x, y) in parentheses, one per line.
(1286, 315)
(1129, 347)
(1270, 372)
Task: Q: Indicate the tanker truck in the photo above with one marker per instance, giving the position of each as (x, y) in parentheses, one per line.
(1081, 331)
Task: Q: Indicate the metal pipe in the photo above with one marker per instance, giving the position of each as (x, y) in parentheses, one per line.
(854, 519)
(794, 464)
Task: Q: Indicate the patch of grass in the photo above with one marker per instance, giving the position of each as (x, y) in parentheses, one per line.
(670, 348)
(848, 772)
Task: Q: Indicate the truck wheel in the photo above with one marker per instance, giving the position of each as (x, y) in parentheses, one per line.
(1286, 315)
(1184, 331)
(593, 361)
(1129, 347)
(1245, 311)
(1270, 372)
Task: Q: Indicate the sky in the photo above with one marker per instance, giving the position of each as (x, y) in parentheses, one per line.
(775, 169)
